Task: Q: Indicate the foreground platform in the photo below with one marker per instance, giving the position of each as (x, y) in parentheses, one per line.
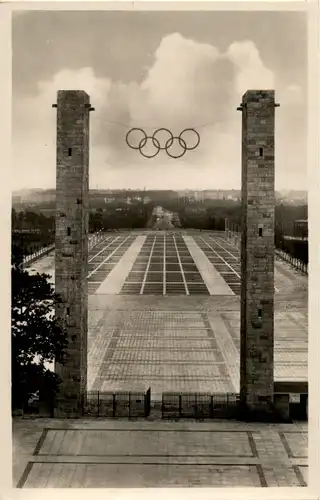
(119, 454)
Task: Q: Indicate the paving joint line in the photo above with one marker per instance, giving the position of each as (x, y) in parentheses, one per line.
(148, 265)
(181, 269)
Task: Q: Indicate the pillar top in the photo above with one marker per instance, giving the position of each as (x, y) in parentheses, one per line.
(258, 96)
(78, 95)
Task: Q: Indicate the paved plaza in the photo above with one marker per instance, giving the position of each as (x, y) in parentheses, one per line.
(164, 312)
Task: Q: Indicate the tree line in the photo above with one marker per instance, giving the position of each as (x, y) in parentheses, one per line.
(32, 230)
(120, 216)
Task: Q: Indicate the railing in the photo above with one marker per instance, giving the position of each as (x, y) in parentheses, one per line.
(117, 404)
(198, 405)
(175, 406)
(293, 261)
(94, 239)
(234, 238)
(37, 255)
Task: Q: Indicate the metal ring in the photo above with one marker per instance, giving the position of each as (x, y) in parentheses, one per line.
(190, 130)
(169, 146)
(144, 141)
(159, 130)
(132, 130)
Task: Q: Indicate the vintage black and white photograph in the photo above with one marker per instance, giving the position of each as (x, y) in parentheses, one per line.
(159, 303)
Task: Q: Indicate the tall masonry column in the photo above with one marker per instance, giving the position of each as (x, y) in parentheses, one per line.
(257, 251)
(71, 244)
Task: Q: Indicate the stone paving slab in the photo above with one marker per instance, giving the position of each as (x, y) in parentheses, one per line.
(111, 476)
(99, 453)
(291, 361)
(145, 443)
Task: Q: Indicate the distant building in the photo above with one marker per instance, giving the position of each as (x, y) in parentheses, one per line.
(300, 228)
(35, 197)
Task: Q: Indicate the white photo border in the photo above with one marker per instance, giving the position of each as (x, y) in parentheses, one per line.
(313, 489)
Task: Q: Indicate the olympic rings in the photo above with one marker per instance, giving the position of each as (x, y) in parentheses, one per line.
(167, 145)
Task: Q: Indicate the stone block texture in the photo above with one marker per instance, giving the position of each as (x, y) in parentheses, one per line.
(257, 250)
(71, 255)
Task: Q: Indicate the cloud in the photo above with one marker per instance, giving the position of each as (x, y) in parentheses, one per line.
(189, 84)
(251, 72)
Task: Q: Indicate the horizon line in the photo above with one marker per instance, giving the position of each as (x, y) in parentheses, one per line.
(153, 189)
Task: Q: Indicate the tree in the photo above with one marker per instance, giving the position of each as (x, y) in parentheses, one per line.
(37, 337)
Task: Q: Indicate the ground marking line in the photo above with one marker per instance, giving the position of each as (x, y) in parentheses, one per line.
(148, 265)
(235, 272)
(181, 268)
(109, 256)
(233, 256)
(96, 255)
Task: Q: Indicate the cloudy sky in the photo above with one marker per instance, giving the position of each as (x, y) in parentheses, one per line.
(158, 69)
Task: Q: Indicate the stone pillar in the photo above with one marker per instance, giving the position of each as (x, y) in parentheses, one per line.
(71, 244)
(257, 251)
